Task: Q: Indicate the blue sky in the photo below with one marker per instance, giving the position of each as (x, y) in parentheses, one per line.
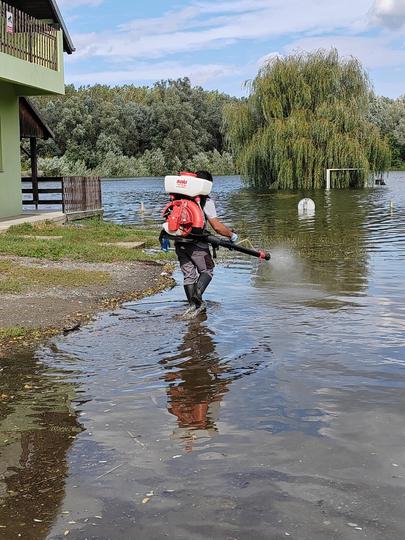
(220, 44)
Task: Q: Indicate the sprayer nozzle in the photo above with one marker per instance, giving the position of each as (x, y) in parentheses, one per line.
(264, 256)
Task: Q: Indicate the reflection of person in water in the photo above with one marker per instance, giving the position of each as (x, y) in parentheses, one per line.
(196, 384)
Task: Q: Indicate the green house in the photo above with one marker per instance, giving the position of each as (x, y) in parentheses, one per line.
(33, 38)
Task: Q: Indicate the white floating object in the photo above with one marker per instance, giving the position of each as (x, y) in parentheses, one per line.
(306, 207)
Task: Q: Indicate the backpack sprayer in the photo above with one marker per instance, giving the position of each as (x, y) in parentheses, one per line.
(185, 219)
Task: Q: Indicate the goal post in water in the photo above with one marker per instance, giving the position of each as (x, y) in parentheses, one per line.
(328, 175)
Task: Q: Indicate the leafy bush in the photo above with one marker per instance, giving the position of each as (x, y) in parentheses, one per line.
(151, 163)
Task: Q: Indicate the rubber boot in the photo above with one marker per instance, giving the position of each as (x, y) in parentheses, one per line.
(190, 290)
(203, 281)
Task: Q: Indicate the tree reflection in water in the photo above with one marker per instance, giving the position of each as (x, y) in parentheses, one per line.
(332, 244)
(37, 428)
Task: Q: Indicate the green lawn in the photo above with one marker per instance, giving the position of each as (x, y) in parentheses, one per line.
(80, 242)
(16, 278)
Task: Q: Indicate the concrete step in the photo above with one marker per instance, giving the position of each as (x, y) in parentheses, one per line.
(32, 217)
(41, 237)
(126, 245)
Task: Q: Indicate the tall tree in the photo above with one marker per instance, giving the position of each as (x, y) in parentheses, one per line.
(306, 113)
(389, 116)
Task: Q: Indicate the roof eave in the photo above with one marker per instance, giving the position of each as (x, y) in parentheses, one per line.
(38, 116)
(67, 40)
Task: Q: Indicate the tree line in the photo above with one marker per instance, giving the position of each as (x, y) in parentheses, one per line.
(290, 122)
(134, 131)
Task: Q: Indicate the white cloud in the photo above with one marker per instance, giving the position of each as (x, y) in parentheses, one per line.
(200, 25)
(199, 74)
(210, 24)
(263, 60)
(389, 13)
(372, 52)
(69, 4)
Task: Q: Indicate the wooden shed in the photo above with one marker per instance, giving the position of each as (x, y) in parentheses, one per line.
(33, 127)
(79, 196)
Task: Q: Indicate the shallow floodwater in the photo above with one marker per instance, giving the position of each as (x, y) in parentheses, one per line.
(279, 414)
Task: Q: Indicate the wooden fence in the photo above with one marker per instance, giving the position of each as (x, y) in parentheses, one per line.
(27, 38)
(81, 194)
(74, 194)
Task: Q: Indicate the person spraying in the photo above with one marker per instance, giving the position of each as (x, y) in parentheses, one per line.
(187, 215)
(193, 253)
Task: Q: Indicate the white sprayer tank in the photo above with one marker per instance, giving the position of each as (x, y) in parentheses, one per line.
(190, 186)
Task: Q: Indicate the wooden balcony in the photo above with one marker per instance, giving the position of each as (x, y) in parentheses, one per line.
(27, 38)
(77, 196)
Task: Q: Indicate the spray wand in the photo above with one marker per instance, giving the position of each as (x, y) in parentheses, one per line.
(216, 242)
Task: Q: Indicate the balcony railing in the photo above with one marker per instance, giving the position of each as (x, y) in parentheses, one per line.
(26, 38)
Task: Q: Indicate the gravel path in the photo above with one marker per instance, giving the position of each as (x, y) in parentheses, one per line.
(60, 307)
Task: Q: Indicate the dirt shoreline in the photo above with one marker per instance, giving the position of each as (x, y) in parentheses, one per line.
(42, 312)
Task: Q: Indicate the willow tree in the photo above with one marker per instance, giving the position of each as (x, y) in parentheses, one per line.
(306, 113)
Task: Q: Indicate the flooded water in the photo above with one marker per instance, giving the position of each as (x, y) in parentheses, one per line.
(279, 414)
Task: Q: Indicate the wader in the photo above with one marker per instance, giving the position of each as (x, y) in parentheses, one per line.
(197, 266)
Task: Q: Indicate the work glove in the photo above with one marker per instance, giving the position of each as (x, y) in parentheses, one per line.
(164, 242)
(165, 245)
(234, 237)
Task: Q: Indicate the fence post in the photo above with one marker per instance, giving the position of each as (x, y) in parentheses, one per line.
(30, 46)
(328, 179)
(34, 171)
(63, 193)
(100, 198)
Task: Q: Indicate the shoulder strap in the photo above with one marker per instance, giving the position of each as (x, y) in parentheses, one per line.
(203, 200)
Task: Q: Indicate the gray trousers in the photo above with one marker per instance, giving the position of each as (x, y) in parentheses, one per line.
(194, 260)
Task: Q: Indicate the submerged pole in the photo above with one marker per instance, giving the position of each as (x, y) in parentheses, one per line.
(328, 179)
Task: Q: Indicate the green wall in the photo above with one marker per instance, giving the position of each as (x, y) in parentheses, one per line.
(20, 78)
(10, 164)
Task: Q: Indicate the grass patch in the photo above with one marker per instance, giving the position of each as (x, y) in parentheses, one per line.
(9, 285)
(16, 278)
(20, 335)
(14, 332)
(80, 242)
